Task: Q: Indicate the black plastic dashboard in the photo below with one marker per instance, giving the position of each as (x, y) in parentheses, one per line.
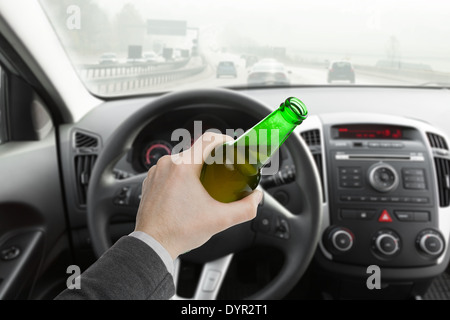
(176, 131)
(404, 173)
(384, 190)
(387, 196)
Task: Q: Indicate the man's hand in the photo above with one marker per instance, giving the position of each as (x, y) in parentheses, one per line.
(176, 209)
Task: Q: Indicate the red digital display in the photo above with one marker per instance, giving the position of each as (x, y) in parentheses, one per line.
(369, 132)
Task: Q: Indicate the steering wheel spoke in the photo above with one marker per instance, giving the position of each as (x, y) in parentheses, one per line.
(122, 197)
(275, 225)
(127, 194)
(211, 278)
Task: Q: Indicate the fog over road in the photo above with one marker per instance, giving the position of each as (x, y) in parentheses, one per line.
(306, 75)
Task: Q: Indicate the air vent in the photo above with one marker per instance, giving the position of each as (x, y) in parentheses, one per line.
(443, 177)
(83, 169)
(83, 140)
(442, 166)
(312, 139)
(437, 141)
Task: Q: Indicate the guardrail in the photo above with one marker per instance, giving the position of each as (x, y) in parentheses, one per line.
(95, 71)
(407, 75)
(135, 82)
(120, 78)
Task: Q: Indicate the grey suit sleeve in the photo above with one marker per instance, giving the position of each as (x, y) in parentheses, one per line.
(129, 270)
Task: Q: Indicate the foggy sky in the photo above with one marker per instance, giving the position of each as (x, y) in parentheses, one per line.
(360, 27)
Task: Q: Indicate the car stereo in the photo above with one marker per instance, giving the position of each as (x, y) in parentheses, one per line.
(381, 203)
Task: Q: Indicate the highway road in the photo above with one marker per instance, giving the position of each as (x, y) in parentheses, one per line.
(299, 76)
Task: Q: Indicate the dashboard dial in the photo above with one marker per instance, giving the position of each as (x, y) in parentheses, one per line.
(154, 151)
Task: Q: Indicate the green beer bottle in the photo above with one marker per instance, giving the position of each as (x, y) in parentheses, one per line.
(233, 170)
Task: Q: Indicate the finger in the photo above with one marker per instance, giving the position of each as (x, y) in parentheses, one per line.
(148, 179)
(201, 149)
(242, 210)
(158, 172)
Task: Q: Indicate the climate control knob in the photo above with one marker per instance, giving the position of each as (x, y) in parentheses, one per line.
(430, 242)
(386, 243)
(339, 239)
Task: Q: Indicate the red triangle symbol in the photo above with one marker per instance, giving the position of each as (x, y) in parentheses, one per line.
(385, 217)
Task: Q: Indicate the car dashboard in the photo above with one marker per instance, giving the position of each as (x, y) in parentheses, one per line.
(386, 195)
(385, 175)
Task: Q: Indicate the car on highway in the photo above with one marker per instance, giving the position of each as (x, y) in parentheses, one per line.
(268, 72)
(341, 70)
(226, 68)
(108, 58)
(357, 205)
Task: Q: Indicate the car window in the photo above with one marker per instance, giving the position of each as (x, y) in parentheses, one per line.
(226, 64)
(2, 108)
(341, 65)
(379, 40)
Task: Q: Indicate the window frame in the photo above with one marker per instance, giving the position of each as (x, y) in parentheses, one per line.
(4, 125)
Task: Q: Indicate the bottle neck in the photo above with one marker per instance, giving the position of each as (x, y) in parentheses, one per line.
(262, 141)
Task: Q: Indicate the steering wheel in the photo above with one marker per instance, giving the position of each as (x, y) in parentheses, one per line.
(294, 234)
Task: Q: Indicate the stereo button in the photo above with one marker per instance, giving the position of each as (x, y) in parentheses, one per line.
(348, 214)
(414, 178)
(419, 200)
(414, 185)
(404, 215)
(365, 215)
(414, 172)
(357, 214)
(422, 216)
(346, 198)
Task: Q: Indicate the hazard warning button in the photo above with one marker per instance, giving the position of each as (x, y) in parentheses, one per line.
(385, 216)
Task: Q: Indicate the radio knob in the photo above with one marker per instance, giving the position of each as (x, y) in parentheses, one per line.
(386, 243)
(430, 242)
(340, 239)
(383, 177)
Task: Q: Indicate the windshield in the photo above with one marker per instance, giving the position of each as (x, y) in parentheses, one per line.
(125, 47)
